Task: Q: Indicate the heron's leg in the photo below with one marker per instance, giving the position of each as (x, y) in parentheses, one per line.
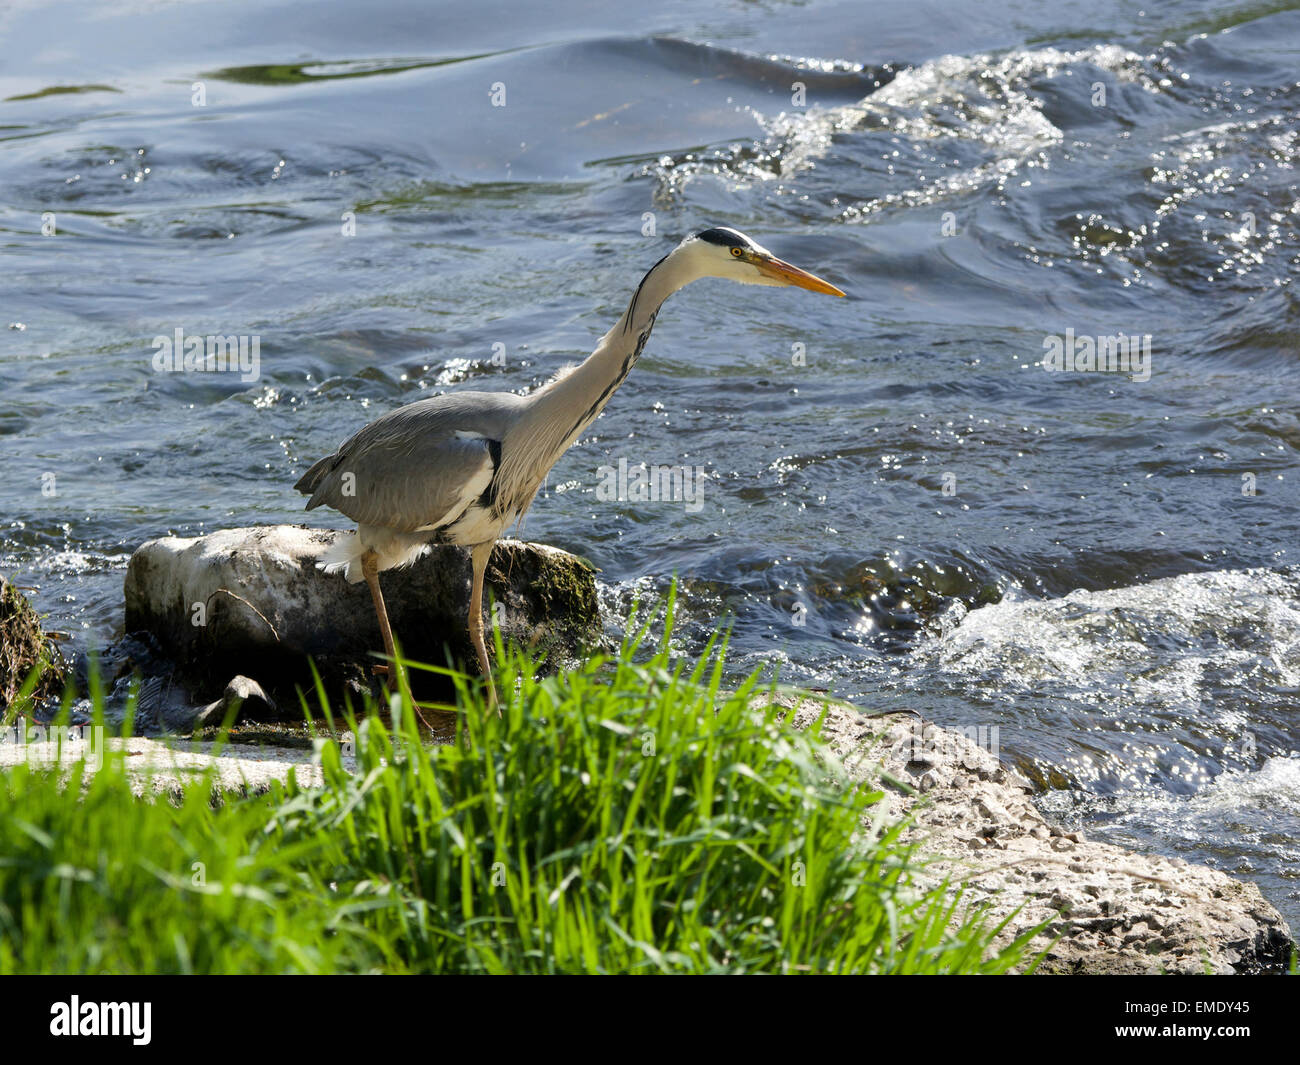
(479, 556)
(370, 570)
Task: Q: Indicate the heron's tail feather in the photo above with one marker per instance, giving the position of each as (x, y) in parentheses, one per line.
(392, 549)
(310, 481)
(344, 556)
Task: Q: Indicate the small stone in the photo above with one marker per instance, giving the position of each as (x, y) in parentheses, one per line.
(992, 810)
(245, 697)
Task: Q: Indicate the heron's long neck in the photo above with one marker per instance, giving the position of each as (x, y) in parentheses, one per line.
(560, 412)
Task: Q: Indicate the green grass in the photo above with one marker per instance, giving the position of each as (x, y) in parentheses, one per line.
(627, 816)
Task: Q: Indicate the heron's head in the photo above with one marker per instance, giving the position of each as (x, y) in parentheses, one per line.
(724, 252)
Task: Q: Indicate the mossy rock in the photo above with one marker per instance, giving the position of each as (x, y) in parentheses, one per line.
(24, 647)
(254, 602)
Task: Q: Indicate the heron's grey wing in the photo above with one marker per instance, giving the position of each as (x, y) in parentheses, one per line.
(418, 467)
(413, 487)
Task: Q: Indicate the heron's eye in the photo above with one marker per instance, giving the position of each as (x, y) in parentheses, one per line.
(737, 252)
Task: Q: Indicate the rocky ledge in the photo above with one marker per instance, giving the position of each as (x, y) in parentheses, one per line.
(1107, 910)
(975, 826)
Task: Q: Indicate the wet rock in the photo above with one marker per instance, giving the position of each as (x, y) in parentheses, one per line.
(135, 653)
(137, 678)
(253, 602)
(1116, 911)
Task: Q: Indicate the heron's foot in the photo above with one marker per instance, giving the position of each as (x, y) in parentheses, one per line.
(403, 688)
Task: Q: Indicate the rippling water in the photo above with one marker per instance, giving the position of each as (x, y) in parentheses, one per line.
(902, 504)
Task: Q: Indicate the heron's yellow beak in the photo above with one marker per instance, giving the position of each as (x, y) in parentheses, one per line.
(782, 271)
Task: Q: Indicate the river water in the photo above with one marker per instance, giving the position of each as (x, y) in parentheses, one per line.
(898, 500)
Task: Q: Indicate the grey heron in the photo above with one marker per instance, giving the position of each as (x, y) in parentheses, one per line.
(461, 468)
